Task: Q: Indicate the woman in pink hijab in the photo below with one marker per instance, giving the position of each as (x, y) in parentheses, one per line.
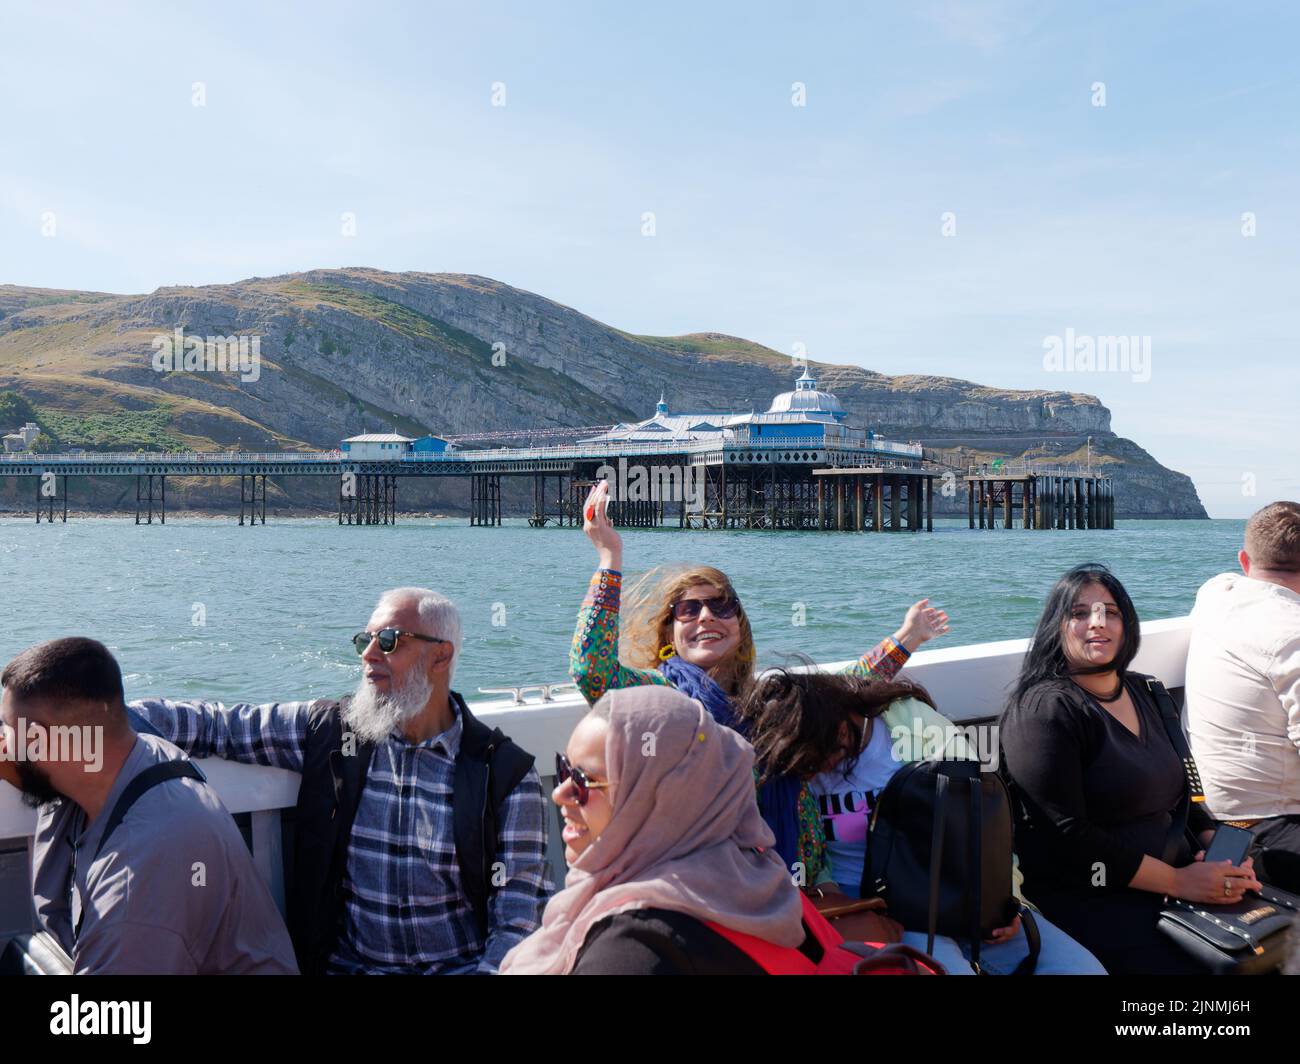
(662, 834)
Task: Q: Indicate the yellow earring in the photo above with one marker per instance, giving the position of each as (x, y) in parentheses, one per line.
(666, 651)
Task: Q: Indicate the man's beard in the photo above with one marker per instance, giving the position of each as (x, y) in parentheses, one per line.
(35, 786)
(373, 716)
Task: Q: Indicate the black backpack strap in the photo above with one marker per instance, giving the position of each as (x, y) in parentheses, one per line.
(146, 780)
(936, 856)
(1172, 721)
(1035, 940)
(974, 868)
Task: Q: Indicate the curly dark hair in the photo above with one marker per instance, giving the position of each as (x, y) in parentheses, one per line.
(794, 718)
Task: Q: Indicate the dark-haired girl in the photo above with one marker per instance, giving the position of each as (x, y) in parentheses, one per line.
(1099, 782)
(848, 735)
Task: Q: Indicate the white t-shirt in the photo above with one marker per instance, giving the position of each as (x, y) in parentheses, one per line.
(846, 804)
(1243, 697)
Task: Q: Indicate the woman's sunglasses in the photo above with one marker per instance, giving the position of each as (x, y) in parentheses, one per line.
(582, 783)
(723, 607)
(387, 638)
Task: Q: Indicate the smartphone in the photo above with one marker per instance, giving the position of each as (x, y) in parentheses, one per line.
(1229, 844)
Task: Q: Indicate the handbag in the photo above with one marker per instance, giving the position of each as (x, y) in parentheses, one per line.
(860, 919)
(1245, 938)
(939, 851)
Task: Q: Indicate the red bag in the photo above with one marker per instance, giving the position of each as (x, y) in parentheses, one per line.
(837, 956)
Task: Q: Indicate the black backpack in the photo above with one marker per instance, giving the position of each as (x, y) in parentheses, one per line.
(939, 852)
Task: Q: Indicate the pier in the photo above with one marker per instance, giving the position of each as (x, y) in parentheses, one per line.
(796, 466)
(1046, 498)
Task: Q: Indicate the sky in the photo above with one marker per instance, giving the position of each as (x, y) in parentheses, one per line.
(931, 188)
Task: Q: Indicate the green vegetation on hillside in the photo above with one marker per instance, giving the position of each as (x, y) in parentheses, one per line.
(16, 411)
(711, 345)
(123, 430)
(400, 319)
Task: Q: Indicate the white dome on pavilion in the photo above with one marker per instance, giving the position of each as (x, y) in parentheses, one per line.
(806, 399)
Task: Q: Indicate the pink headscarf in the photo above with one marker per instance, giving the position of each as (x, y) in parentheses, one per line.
(685, 835)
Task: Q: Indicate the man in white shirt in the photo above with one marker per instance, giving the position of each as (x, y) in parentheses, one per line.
(1243, 692)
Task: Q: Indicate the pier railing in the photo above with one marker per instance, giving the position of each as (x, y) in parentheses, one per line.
(1020, 469)
(589, 452)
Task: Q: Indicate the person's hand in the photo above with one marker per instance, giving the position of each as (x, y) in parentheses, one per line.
(1214, 882)
(1004, 934)
(599, 529)
(922, 623)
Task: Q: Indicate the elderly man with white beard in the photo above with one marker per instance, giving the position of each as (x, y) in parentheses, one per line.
(420, 840)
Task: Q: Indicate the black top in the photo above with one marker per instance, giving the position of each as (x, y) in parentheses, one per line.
(1096, 798)
(659, 942)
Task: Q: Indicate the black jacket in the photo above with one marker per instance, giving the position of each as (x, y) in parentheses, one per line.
(488, 767)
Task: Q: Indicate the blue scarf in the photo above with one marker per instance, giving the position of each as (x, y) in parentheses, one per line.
(778, 799)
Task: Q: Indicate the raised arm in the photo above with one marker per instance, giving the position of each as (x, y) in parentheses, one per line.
(273, 733)
(883, 661)
(593, 656)
(515, 908)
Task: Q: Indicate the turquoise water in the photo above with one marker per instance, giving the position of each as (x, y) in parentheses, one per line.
(278, 602)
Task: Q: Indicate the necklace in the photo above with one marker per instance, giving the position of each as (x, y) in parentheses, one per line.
(1119, 690)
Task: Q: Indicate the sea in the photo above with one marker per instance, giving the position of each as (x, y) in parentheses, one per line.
(201, 607)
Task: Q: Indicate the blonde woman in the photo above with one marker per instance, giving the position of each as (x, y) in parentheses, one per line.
(689, 630)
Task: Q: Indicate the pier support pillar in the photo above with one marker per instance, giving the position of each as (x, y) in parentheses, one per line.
(250, 493)
(48, 494)
(151, 488)
(929, 504)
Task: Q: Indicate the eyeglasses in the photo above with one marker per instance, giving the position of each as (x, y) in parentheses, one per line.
(388, 639)
(723, 607)
(582, 783)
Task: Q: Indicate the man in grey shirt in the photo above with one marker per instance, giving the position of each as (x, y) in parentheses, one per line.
(137, 866)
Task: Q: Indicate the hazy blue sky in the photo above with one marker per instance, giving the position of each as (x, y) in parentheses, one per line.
(816, 224)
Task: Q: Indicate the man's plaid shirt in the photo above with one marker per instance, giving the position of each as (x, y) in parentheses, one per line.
(405, 910)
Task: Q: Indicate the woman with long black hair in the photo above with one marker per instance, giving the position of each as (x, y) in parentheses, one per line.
(1100, 785)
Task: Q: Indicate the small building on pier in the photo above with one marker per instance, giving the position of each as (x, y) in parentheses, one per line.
(390, 446)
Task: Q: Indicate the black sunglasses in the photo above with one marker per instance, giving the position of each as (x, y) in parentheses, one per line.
(388, 639)
(582, 783)
(723, 607)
